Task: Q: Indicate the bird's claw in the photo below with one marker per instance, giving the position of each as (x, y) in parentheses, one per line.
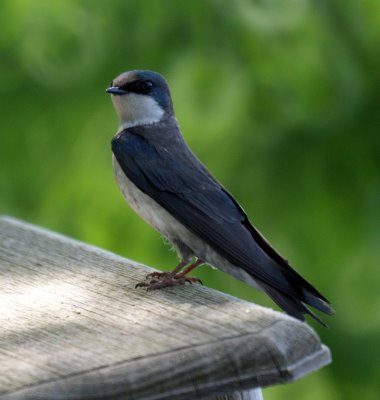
(145, 284)
(141, 284)
(190, 280)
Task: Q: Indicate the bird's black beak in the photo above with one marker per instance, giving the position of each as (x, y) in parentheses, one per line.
(116, 90)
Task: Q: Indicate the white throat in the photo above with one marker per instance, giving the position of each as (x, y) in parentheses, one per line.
(137, 109)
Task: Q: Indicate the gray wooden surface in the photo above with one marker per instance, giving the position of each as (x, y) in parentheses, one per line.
(72, 326)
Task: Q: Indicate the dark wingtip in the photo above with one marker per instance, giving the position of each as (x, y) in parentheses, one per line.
(295, 308)
(318, 303)
(309, 312)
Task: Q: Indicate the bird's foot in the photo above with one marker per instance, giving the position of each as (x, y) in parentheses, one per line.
(165, 279)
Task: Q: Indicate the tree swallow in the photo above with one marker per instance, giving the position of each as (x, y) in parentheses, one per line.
(168, 187)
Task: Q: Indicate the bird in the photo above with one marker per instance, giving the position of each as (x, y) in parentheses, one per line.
(172, 190)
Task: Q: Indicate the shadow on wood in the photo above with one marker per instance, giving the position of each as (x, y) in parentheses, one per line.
(74, 327)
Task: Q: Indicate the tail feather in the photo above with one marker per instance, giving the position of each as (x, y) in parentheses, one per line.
(317, 302)
(295, 307)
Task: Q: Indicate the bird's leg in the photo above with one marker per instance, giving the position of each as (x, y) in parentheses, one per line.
(172, 278)
(182, 275)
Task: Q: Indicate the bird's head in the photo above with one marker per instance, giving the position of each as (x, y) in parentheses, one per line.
(140, 98)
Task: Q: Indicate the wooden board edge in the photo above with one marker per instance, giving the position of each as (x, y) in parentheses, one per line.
(110, 382)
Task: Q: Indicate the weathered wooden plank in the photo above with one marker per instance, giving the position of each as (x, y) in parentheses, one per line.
(73, 326)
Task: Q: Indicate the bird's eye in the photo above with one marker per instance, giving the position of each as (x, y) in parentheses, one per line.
(146, 86)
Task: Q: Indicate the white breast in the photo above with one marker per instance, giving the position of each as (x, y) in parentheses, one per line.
(145, 207)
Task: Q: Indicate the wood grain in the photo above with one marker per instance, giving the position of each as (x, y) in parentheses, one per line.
(73, 327)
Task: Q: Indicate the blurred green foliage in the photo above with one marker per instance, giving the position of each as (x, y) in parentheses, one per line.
(280, 99)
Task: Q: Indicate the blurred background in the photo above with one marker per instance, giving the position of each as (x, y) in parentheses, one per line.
(280, 100)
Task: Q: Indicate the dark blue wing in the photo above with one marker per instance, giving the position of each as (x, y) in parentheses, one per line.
(181, 184)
